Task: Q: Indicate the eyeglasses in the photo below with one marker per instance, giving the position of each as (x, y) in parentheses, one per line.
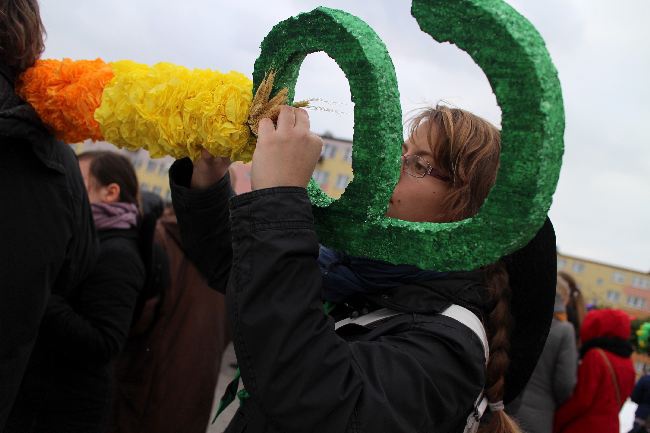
(415, 166)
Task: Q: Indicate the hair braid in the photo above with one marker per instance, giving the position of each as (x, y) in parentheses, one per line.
(499, 333)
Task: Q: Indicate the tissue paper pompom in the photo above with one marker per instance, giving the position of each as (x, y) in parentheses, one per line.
(165, 109)
(171, 110)
(65, 94)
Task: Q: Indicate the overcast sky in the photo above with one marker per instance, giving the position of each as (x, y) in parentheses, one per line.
(601, 49)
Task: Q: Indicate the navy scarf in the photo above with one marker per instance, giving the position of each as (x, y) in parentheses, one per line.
(345, 276)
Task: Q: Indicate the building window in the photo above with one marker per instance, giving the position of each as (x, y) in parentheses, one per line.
(329, 151)
(600, 281)
(151, 166)
(163, 169)
(635, 301)
(321, 177)
(168, 196)
(561, 263)
(156, 190)
(347, 157)
(640, 283)
(342, 181)
(613, 296)
(137, 163)
(618, 277)
(144, 187)
(578, 267)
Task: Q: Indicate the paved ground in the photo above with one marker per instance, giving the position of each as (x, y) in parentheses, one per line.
(626, 416)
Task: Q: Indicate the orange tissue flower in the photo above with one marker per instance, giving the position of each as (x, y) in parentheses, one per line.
(65, 94)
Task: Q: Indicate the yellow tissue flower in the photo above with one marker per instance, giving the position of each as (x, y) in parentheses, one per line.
(171, 110)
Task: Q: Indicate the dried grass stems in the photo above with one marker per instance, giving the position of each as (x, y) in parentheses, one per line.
(263, 107)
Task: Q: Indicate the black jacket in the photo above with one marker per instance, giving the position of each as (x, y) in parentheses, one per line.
(67, 386)
(47, 238)
(417, 372)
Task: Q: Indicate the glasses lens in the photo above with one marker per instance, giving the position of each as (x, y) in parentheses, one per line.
(415, 166)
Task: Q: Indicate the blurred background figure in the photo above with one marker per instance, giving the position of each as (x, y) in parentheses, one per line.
(167, 374)
(641, 396)
(47, 238)
(67, 387)
(605, 375)
(554, 377)
(576, 308)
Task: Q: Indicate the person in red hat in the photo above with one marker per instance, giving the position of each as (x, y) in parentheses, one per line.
(605, 376)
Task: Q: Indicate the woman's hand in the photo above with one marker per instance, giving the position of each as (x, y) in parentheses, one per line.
(208, 170)
(286, 155)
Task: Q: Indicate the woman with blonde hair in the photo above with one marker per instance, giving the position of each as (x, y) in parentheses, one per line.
(426, 366)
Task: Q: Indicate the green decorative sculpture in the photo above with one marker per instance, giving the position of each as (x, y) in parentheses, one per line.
(515, 60)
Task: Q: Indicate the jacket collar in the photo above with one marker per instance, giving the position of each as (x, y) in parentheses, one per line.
(18, 117)
(466, 289)
(19, 121)
(7, 73)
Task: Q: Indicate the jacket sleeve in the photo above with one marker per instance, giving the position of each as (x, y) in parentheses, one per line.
(565, 377)
(590, 374)
(301, 374)
(97, 326)
(204, 222)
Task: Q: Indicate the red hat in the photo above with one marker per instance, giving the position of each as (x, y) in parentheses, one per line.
(605, 323)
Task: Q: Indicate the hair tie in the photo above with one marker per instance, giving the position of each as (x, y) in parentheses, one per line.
(497, 406)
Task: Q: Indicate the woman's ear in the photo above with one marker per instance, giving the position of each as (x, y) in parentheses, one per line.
(111, 193)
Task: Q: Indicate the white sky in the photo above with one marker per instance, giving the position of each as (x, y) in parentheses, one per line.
(601, 49)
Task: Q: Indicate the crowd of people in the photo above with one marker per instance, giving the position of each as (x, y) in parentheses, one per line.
(582, 379)
(113, 316)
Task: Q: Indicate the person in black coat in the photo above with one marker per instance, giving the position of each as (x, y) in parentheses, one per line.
(424, 367)
(67, 387)
(47, 238)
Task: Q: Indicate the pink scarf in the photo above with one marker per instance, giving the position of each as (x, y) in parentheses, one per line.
(117, 215)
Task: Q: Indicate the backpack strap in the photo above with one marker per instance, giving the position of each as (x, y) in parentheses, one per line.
(456, 312)
(469, 319)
